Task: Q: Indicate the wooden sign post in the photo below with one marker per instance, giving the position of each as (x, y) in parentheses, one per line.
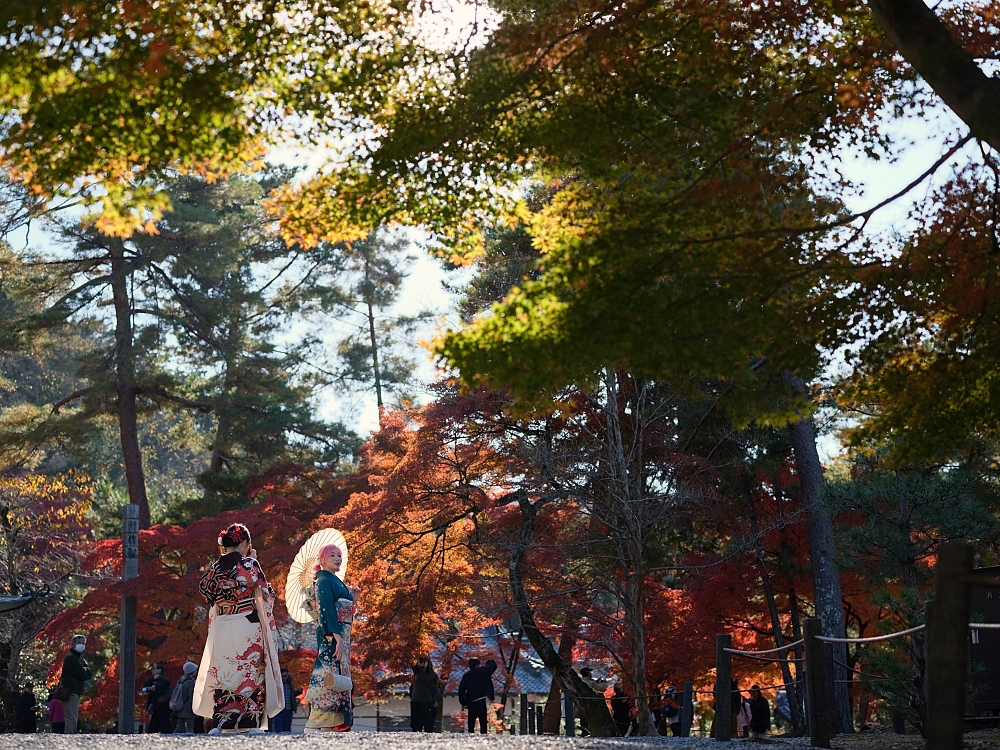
(126, 658)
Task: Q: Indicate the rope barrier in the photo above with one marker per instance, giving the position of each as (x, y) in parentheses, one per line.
(863, 674)
(761, 658)
(768, 651)
(746, 690)
(984, 626)
(873, 639)
(773, 687)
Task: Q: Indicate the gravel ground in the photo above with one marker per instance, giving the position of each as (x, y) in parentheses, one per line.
(366, 741)
(387, 741)
(981, 740)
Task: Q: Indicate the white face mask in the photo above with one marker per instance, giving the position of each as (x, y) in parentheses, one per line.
(80, 647)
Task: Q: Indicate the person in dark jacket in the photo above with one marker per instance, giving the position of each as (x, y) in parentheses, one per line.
(157, 690)
(621, 710)
(475, 689)
(75, 675)
(24, 711)
(760, 713)
(423, 691)
(283, 721)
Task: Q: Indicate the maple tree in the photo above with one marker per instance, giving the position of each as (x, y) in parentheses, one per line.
(172, 620)
(475, 515)
(922, 380)
(44, 536)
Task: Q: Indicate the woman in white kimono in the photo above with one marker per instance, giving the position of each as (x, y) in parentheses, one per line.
(239, 682)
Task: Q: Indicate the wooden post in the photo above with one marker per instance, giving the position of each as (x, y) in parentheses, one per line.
(833, 673)
(568, 712)
(531, 718)
(687, 709)
(948, 646)
(898, 722)
(126, 626)
(818, 701)
(723, 687)
(523, 718)
(540, 718)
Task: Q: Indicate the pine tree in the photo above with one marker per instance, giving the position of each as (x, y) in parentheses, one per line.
(363, 280)
(198, 311)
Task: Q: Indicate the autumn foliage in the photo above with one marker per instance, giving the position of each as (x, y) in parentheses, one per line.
(172, 618)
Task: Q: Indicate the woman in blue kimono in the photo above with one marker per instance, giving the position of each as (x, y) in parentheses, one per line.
(329, 692)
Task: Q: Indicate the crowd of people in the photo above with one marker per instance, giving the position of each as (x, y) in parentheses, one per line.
(240, 688)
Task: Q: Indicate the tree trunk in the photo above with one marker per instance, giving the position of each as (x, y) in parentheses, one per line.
(636, 616)
(374, 341)
(944, 63)
(219, 450)
(772, 607)
(223, 428)
(627, 492)
(592, 704)
(553, 704)
(511, 664)
(125, 376)
(822, 552)
(8, 689)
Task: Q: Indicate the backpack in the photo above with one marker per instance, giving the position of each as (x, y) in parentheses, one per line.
(670, 710)
(177, 697)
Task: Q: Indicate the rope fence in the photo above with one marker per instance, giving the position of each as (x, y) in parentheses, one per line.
(858, 671)
(946, 640)
(763, 658)
(768, 651)
(872, 639)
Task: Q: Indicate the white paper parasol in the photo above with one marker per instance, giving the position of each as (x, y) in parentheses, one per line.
(301, 575)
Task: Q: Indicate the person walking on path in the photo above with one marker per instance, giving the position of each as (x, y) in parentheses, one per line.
(283, 721)
(57, 716)
(475, 689)
(157, 691)
(331, 707)
(239, 680)
(24, 711)
(423, 691)
(760, 713)
(75, 675)
(185, 714)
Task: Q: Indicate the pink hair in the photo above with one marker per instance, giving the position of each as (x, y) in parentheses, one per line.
(325, 554)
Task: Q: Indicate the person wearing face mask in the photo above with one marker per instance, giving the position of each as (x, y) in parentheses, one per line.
(75, 675)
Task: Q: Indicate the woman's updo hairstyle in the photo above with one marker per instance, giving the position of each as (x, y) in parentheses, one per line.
(324, 554)
(234, 536)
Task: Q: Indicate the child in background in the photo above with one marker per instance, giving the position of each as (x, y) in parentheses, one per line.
(56, 716)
